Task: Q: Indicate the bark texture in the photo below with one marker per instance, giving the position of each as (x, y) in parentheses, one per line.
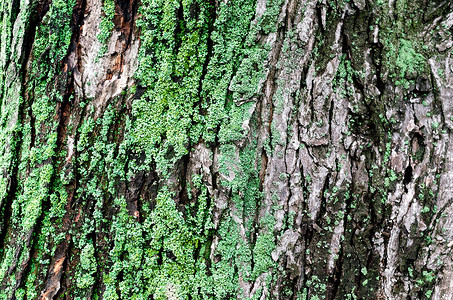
(205, 149)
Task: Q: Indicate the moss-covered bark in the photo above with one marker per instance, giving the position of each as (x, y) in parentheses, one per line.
(193, 149)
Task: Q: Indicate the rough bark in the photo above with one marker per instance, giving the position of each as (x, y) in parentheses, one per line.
(277, 149)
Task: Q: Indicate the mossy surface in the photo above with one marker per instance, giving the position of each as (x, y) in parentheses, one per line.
(113, 189)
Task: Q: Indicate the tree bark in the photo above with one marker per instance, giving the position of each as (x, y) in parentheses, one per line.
(268, 149)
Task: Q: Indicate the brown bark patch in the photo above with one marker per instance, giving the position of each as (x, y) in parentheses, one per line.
(55, 272)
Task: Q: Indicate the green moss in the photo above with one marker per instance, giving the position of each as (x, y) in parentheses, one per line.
(106, 26)
(87, 267)
(186, 91)
(247, 83)
(171, 58)
(169, 256)
(185, 101)
(265, 244)
(35, 158)
(409, 61)
(268, 20)
(191, 51)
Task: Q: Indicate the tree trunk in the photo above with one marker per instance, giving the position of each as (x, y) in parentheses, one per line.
(206, 149)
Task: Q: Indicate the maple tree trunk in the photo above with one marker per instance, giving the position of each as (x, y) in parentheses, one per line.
(268, 149)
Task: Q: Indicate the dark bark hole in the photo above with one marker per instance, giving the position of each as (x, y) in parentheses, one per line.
(418, 147)
(170, 255)
(372, 127)
(42, 9)
(180, 28)
(407, 175)
(125, 9)
(422, 84)
(139, 91)
(29, 37)
(194, 11)
(109, 74)
(184, 180)
(15, 8)
(176, 79)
